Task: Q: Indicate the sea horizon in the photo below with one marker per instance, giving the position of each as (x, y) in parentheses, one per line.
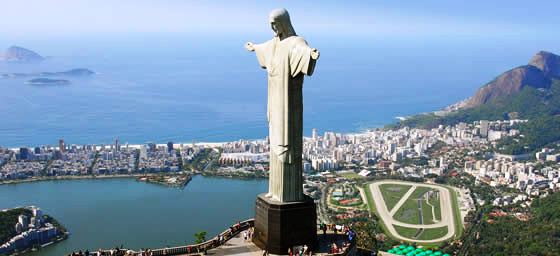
(180, 90)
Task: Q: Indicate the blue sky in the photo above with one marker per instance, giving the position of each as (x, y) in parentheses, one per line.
(427, 18)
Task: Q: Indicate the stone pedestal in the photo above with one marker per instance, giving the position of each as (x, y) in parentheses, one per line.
(279, 226)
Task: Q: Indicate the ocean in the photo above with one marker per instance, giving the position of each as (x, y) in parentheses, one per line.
(185, 89)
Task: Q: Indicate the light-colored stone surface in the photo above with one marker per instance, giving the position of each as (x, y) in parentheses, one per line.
(237, 246)
(447, 217)
(286, 58)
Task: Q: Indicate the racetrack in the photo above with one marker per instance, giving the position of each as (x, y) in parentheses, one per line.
(447, 217)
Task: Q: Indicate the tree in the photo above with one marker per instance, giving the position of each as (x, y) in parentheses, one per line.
(200, 237)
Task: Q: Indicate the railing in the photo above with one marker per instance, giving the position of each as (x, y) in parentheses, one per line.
(195, 249)
(201, 248)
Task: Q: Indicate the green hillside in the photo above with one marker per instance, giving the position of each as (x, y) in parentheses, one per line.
(509, 236)
(540, 106)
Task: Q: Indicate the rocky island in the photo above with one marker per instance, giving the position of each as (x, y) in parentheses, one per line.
(77, 72)
(20, 54)
(47, 81)
(27, 228)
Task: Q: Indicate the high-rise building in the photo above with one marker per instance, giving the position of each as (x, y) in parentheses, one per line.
(117, 145)
(24, 153)
(484, 126)
(314, 133)
(170, 146)
(152, 147)
(23, 220)
(61, 145)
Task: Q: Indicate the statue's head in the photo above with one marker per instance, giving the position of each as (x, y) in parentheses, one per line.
(280, 22)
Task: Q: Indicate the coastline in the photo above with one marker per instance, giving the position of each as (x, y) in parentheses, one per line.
(78, 177)
(118, 176)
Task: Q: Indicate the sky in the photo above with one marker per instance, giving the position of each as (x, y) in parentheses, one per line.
(393, 19)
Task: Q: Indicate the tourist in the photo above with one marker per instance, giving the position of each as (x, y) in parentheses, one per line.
(334, 248)
(290, 251)
(305, 248)
(245, 236)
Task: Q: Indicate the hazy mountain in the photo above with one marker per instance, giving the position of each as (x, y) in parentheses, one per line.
(20, 54)
(527, 92)
(543, 67)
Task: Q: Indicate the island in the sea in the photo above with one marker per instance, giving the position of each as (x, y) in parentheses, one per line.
(47, 81)
(76, 72)
(20, 54)
(27, 228)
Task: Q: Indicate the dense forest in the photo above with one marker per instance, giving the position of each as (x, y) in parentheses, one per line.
(540, 235)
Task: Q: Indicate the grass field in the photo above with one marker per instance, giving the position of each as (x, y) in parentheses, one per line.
(456, 212)
(408, 213)
(406, 232)
(351, 175)
(427, 212)
(437, 207)
(433, 233)
(392, 193)
(427, 234)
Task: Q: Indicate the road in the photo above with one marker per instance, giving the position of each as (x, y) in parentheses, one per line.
(447, 217)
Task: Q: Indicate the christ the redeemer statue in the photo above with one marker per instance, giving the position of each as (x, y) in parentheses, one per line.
(287, 58)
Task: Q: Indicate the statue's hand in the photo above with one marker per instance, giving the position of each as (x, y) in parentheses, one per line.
(250, 46)
(314, 53)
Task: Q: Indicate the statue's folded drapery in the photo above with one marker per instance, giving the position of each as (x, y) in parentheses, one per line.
(286, 61)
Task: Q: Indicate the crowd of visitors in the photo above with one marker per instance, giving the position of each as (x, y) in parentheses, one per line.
(247, 232)
(111, 252)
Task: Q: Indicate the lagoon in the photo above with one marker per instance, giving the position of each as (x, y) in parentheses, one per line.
(104, 213)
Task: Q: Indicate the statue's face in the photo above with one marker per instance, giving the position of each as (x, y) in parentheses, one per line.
(274, 27)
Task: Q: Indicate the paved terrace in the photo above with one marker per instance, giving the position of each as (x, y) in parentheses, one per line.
(232, 244)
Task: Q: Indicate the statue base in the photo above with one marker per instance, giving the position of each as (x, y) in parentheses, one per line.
(279, 226)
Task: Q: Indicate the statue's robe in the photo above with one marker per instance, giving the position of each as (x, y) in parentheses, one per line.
(286, 61)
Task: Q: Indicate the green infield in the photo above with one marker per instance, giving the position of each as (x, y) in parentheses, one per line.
(421, 234)
(423, 202)
(409, 211)
(392, 193)
(406, 232)
(433, 233)
(433, 202)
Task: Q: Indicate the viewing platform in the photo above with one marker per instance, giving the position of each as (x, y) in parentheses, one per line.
(232, 242)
